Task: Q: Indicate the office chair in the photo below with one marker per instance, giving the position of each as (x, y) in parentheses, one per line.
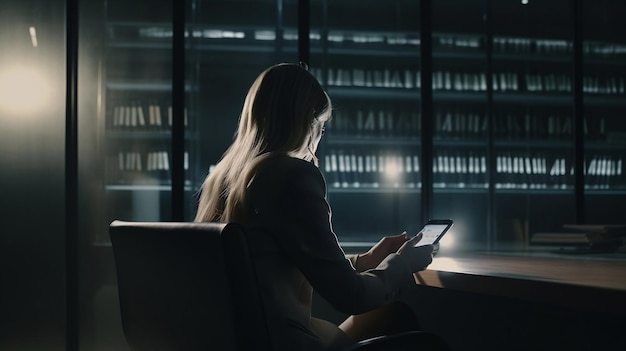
(187, 286)
(192, 286)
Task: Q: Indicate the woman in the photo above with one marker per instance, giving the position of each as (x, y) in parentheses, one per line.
(268, 180)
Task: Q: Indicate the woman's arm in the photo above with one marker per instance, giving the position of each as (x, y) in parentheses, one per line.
(305, 232)
(375, 255)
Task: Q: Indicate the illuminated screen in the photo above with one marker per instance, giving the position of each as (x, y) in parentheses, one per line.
(430, 233)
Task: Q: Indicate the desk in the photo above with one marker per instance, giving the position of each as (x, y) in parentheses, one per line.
(593, 283)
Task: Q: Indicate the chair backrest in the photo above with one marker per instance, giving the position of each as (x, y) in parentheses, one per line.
(187, 286)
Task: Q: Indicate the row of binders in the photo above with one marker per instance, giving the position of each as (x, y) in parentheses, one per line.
(501, 44)
(554, 46)
(604, 172)
(388, 169)
(467, 81)
(530, 172)
(388, 122)
(533, 126)
(527, 45)
(132, 161)
(374, 122)
(351, 170)
(146, 116)
(521, 171)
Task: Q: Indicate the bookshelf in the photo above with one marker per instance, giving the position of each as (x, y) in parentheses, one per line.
(502, 97)
(503, 114)
(225, 49)
(136, 105)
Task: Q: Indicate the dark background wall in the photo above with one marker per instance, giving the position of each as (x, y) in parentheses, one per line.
(32, 176)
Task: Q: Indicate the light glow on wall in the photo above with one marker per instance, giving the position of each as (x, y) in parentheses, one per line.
(392, 167)
(23, 90)
(448, 240)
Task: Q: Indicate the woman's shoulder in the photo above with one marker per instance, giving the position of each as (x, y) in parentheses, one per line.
(287, 164)
(286, 171)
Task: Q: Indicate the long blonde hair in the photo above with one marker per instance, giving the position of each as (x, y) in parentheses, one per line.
(283, 110)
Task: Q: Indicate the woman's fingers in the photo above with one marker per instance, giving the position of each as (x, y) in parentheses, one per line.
(411, 242)
(402, 235)
(414, 240)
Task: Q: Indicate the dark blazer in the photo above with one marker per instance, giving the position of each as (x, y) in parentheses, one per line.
(295, 250)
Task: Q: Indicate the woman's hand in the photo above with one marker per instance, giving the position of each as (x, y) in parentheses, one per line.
(418, 257)
(375, 255)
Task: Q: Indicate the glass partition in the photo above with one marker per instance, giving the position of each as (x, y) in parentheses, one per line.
(533, 118)
(229, 49)
(461, 121)
(368, 60)
(604, 87)
(125, 143)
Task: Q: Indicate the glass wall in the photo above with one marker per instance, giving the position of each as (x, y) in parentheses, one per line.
(367, 58)
(125, 143)
(32, 171)
(126, 119)
(604, 81)
(229, 48)
(137, 110)
(461, 121)
(533, 118)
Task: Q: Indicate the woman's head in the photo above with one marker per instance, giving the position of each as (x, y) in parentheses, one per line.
(284, 112)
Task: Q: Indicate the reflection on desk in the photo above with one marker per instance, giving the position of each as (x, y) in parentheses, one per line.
(591, 282)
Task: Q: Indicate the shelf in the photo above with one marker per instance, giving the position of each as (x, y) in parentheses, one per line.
(379, 51)
(372, 93)
(253, 48)
(154, 187)
(235, 39)
(146, 86)
(203, 48)
(602, 145)
(442, 54)
(459, 142)
(499, 97)
(372, 190)
(372, 140)
(139, 134)
(166, 46)
(535, 143)
(543, 98)
(604, 61)
(621, 191)
(605, 101)
(456, 189)
(548, 190)
(526, 57)
(364, 140)
(370, 43)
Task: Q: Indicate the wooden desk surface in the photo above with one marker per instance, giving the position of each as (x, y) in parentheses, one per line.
(581, 282)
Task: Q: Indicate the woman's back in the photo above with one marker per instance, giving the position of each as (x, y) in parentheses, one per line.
(294, 248)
